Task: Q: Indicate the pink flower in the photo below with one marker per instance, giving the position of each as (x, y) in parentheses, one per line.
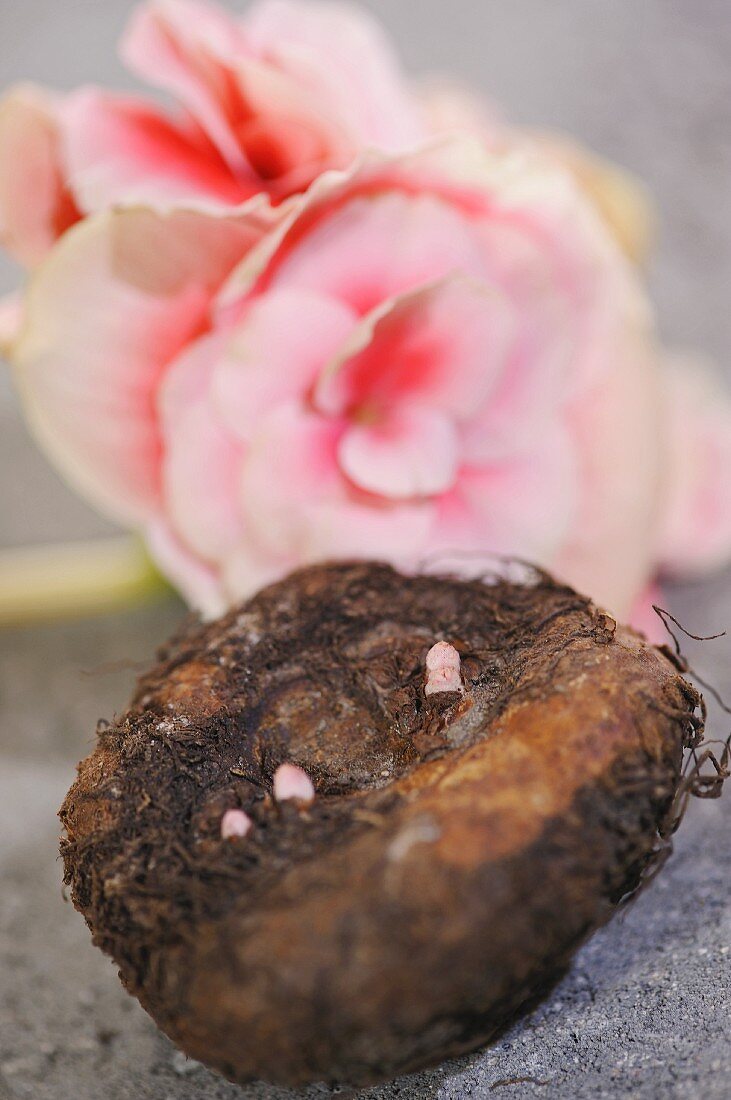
(262, 361)
(36, 206)
(266, 103)
(434, 353)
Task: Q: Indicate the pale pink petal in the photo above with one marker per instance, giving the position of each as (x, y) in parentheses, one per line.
(617, 430)
(695, 533)
(290, 469)
(409, 219)
(341, 54)
(567, 311)
(12, 312)
(284, 94)
(35, 205)
(537, 378)
(279, 347)
(450, 107)
(445, 346)
(201, 457)
(524, 506)
(369, 528)
(514, 220)
(199, 583)
(645, 619)
(401, 243)
(287, 136)
(124, 150)
(298, 504)
(550, 252)
(409, 452)
(272, 129)
(112, 306)
(250, 568)
(622, 200)
(187, 47)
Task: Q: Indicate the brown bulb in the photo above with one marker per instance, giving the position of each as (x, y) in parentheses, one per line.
(460, 846)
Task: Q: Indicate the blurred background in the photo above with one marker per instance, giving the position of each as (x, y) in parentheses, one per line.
(646, 83)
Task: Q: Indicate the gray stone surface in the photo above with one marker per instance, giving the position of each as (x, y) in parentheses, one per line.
(645, 1011)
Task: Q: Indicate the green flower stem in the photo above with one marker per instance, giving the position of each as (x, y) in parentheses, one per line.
(75, 579)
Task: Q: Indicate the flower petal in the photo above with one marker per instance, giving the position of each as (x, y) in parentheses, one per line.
(111, 307)
(524, 506)
(300, 507)
(409, 453)
(287, 136)
(343, 55)
(124, 150)
(621, 198)
(11, 321)
(644, 618)
(451, 107)
(616, 426)
(417, 209)
(290, 469)
(250, 568)
(444, 345)
(35, 206)
(201, 457)
(187, 48)
(276, 352)
(199, 583)
(369, 529)
(695, 534)
(402, 242)
(275, 130)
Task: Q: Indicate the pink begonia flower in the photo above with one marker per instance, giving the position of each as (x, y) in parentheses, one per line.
(444, 351)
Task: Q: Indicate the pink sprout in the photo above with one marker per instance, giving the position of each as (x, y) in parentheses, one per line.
(442, 665)
(291, 783)
(235, 823)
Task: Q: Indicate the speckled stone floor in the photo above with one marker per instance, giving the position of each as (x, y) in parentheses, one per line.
(646, 1010)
